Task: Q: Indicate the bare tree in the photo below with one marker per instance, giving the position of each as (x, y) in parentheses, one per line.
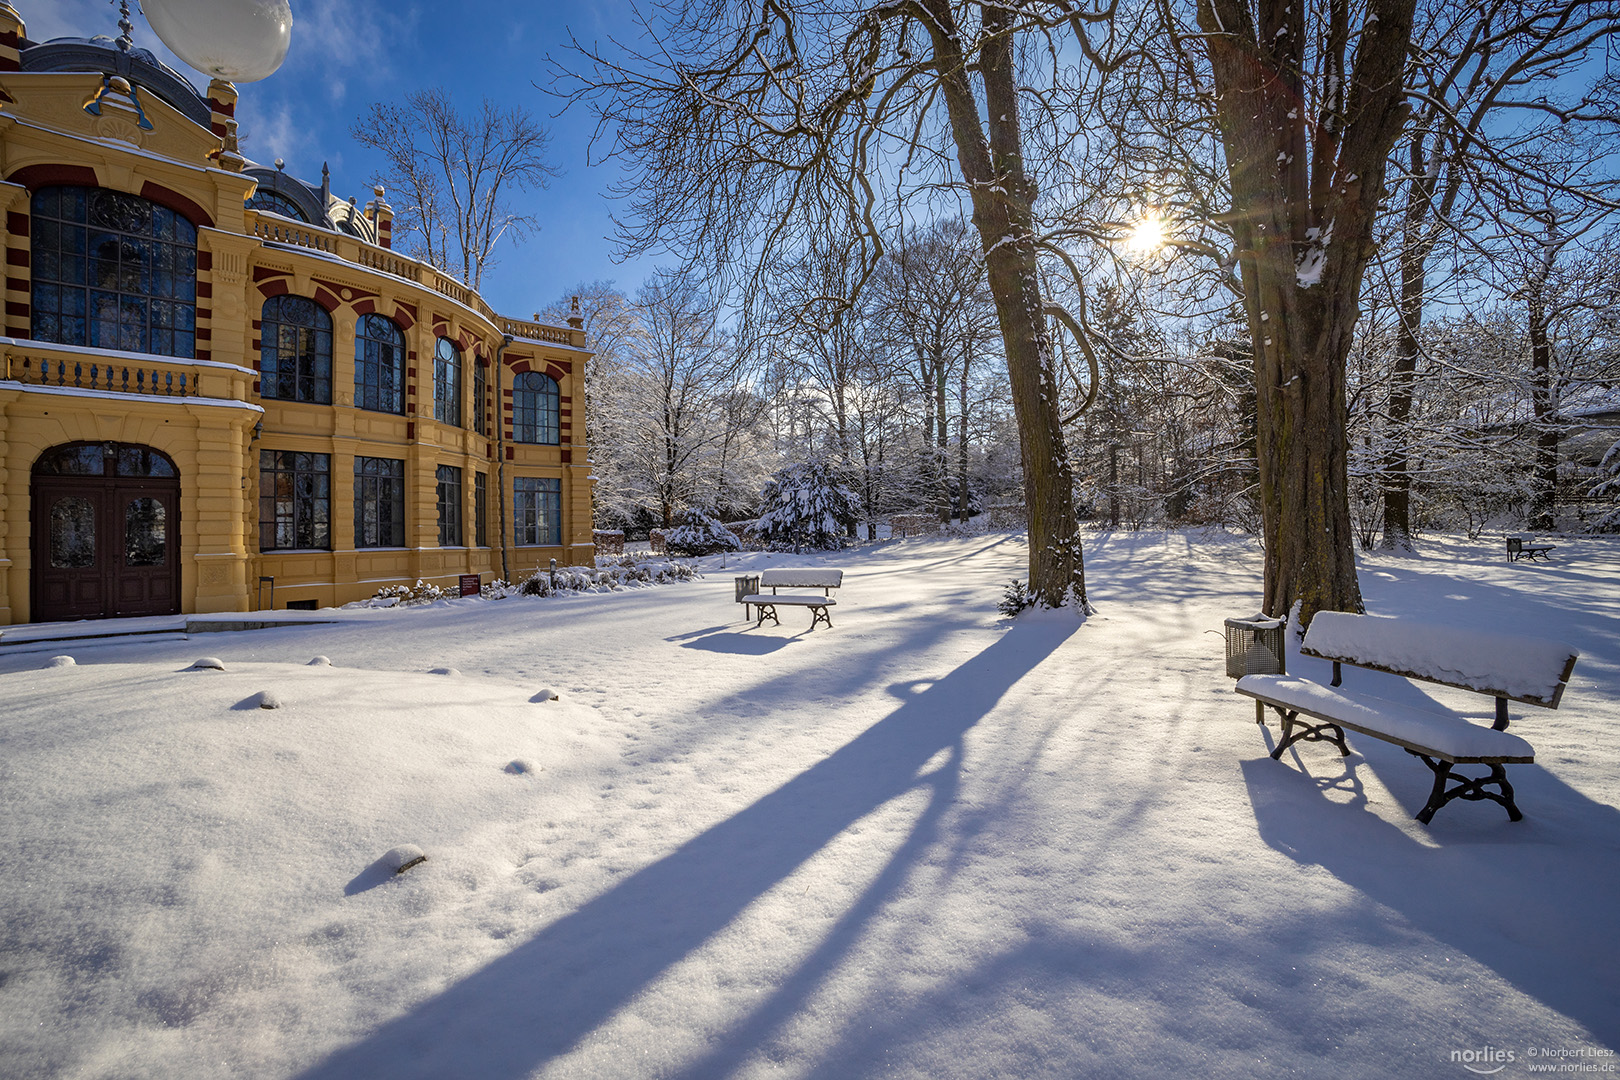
(1497, 84)
(744, 128)
(457, 173)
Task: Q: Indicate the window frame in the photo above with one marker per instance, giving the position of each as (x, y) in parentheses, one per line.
(299, 464)
(375, 489)
(536, 409)
(447, 382)
(369, 391)
(481, 509)
(480, 390)
(96, 283)
(311, 339)
(531, 497)
(448, 482)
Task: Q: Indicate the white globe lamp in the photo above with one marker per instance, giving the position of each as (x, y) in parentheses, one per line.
(235, 40)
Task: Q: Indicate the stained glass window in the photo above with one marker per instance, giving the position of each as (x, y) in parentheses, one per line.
(145, 533)
(112, 270)
(73, 533)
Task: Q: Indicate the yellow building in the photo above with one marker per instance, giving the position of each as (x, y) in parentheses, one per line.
(215, 374)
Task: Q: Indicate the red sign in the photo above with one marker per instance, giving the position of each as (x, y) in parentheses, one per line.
(469, 585)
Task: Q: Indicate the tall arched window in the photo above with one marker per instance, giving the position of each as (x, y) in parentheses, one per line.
(295, 351)
(447, 382)
(379, 365)
(112, 270)
(534, 408)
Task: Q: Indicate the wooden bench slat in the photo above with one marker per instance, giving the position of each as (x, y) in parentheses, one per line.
(1531, 670)
(1420, 730)
(789, 598)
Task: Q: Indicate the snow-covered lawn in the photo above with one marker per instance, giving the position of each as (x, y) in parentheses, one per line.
(928, 842)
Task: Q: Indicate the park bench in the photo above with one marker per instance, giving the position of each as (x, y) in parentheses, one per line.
(776, 580)
(1522, 547)
(1508, 667)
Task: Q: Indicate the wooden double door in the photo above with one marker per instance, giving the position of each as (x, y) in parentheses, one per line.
(106, 533)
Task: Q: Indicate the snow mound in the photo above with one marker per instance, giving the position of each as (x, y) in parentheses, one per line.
(61, 661)
(544, 696)
(404, 857)
(264, 699)
(519, 767)
(209, 663)
(320, 661)
(444, 671)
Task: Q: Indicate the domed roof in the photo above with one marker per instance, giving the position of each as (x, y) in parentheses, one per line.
(103, 54)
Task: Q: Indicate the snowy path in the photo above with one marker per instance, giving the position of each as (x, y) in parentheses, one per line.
(921, 844)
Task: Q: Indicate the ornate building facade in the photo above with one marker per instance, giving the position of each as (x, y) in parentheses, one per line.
(217, 377)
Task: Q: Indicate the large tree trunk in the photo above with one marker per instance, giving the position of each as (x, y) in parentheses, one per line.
(1304, 191)
(1544, 405)
(1002, 200)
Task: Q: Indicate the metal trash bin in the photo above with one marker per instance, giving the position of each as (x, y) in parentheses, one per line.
(747, 585)
(1254, 646)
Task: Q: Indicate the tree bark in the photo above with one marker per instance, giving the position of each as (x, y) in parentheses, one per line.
(1304, 191)
(1003, 197)
(1544, 406)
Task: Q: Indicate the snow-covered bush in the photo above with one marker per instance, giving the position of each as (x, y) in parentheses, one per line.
(1609, 488)
(405, 595)
(700, 534)
(806, 506)
(610, 572)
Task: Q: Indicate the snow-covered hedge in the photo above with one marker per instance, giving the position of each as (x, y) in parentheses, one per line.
(806, 506)
(610, 572)
(700, 534)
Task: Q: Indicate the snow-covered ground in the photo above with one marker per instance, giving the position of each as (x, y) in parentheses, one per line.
(928, 842)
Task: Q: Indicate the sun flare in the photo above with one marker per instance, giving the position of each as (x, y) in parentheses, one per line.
(1147, 236)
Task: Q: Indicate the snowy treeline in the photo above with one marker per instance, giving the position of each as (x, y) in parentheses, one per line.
(901, 397)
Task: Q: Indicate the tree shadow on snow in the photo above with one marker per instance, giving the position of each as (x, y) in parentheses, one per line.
(534, 1004)
(1531, 900)
(740, 643)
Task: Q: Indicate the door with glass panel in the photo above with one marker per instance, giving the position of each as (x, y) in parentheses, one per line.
(106, 532)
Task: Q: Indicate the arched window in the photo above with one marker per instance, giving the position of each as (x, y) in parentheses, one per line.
(295, 350)
(114, 271)
(534, 408)
(276, 203)
(379, 365)
(447, 382)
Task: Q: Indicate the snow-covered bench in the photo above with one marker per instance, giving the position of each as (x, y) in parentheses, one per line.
(776, 580)
(1508, 667)
(1525, 547)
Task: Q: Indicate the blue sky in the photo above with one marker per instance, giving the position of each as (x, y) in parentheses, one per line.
(346, 54)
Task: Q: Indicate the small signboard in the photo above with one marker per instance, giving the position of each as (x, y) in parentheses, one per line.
(470, 585)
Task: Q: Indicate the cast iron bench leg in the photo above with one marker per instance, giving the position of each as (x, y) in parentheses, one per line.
(1471, 788)
(1323, 732)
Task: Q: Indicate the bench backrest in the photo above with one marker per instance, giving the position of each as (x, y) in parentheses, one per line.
(813, 578)
(1528, 669)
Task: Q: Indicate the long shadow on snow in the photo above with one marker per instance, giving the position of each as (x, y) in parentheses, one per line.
(1534, 902)
(538, 1001)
